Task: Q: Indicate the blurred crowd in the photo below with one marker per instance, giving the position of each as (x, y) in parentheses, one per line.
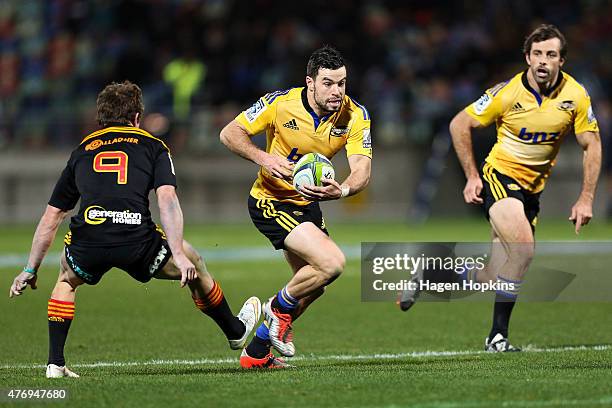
(413, 64)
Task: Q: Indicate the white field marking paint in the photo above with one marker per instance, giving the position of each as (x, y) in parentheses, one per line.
(314, 357)
(606, 401)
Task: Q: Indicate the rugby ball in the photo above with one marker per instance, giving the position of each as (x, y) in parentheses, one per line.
(310, 169)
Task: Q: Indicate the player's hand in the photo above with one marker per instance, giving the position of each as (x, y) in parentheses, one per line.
(330, 190)
(582, 212)
(472, 190)
(278, 166)
(188, 270)
(21, 282)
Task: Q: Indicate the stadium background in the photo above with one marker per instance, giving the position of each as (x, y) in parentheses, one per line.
(413, 64)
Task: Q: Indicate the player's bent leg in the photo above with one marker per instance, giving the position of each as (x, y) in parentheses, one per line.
(296, 263)
(510, 224)
(257, 354)
(508, 219)
(497, 259)
(60, 311)
(324, 262)
(210, 299)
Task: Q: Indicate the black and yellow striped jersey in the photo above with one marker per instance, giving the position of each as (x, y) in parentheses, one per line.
(531, 126)
(112, 172)
(293, 129)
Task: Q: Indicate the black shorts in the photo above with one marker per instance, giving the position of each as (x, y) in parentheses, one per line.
(276, 219)
(140, 260)
(498, 186)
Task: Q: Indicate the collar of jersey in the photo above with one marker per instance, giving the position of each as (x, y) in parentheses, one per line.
(124, 129)
(535, 93)
(317, 120)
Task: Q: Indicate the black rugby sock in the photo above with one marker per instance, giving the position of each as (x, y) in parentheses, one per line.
(258, 348)
(501, 315)
(215, 306)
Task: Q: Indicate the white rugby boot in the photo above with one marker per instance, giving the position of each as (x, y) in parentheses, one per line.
(55, 371)
(249, 315)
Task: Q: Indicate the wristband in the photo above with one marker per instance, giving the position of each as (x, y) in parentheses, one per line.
(27, 269)
(345, 191)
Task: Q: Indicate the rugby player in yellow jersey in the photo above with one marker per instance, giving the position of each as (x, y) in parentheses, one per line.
(317, 118)
(533, 112)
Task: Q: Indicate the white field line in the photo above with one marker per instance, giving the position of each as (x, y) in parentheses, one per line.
(604, 401)
(314, 357)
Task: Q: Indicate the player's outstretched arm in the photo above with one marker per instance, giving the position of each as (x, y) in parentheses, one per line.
(361, 168)
(236, 138)
(43, 238)
(582, 211)
(171, 217)
(461, 132)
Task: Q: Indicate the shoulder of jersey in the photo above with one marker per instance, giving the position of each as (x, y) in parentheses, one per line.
(283, 95)
(575, 86)
(356, 108)
(505, 86)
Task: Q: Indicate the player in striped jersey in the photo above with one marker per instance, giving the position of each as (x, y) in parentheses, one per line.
(111, 173)
(317, 118)
(533, 112)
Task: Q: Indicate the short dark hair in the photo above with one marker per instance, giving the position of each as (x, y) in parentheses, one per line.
(119, 103)
(326, 57)
(542, 33)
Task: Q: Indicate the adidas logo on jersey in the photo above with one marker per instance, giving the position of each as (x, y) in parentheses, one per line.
(292, 124)
(517, 108)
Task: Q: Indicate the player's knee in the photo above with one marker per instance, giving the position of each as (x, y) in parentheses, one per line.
(318, 293)
(68, 277)
(195, 258)
(332, 267)
(521, 254)
(69, 280)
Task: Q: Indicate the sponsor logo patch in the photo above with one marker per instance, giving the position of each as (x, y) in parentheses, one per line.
(482, 104)
(513, 187)
(338, 131)
(254, 111)
(538, 137)
(566, 105)
(367, 139)
(517, 107)
(292, 124)
(95, 144)
(158, 260)
(590, 115)
(96, 215)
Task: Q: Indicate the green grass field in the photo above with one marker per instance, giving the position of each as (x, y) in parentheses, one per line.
(146, 345)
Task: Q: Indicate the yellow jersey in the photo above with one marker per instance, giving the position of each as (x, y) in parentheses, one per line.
(294, 129)
(531, 126)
